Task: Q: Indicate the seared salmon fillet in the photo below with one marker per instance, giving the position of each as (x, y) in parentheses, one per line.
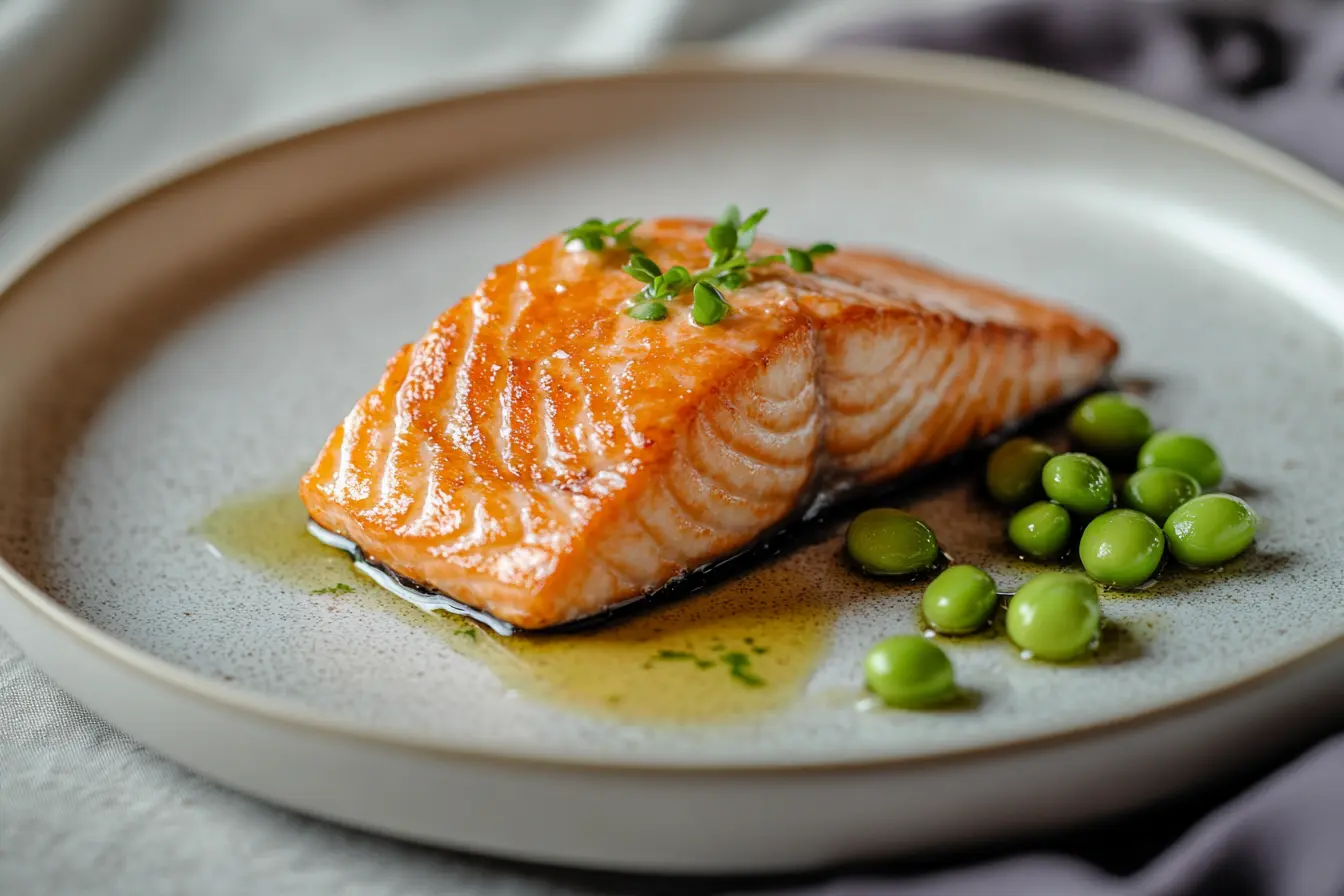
(541, 456)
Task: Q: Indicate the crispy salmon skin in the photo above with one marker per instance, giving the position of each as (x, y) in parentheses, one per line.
(541, 456)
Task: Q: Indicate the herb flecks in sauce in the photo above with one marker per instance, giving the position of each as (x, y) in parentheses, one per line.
(677, 663)
(683, 655)
(738, 663)
(739, 667)
(338, 588)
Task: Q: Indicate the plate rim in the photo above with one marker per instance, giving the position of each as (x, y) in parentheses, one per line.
(892, 67)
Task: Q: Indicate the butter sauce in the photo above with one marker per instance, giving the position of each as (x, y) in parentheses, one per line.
(746, 643)
(747, 646)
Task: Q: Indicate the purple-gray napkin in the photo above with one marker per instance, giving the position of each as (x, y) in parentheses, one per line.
(1276, 71)
(1283, 837)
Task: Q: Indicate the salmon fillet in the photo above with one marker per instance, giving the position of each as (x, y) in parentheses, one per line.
(543, 457)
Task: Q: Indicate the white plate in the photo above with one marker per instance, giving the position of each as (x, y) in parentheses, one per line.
(197, 343)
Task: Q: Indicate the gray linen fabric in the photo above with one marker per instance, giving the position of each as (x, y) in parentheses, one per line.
(84, 809)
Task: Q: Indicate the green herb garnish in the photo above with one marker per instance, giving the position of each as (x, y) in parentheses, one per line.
(729, 267)
(594, 233)
(709, 306)
(647, 310)
(339, 588)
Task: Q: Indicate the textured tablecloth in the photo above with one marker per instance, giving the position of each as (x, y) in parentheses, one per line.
(83, 809)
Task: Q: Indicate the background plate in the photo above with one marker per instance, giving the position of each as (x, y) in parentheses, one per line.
(197, 344)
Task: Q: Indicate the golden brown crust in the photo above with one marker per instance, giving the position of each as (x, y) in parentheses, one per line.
(534, 429)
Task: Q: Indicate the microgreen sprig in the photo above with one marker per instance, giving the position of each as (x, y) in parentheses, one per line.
(594, 233)
(730, 266)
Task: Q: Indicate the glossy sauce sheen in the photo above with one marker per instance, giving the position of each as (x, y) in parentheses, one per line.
(542, 457)
(674, 662)
(746, 647)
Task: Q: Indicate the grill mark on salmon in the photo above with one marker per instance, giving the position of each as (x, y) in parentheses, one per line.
(542, 457)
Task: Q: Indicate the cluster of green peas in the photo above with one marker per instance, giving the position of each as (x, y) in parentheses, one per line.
(1056, 616)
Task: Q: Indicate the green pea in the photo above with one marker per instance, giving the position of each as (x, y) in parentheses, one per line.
(960, 600)
(1121, 548)
(1055, 616)
(887, 542)
(1041, 530)
(1157, 491)
(1210, 530)
(1110, 423)
(1184, 452)
(1013, 474)
(909, 671)
(1079, 482)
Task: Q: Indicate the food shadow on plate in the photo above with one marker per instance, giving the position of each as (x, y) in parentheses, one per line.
(966, 699)
(1243, 489)
(1252, 569)
(1142, 385)
(796, 538)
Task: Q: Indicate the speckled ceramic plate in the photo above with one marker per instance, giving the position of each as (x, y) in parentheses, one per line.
(168, 369)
